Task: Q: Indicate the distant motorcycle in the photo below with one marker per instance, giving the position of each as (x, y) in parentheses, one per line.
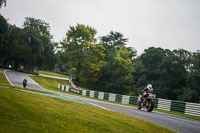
(147, 102)
(24, 83)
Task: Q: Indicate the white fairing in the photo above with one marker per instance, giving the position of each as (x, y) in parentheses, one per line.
(152, 96)
(139, 97)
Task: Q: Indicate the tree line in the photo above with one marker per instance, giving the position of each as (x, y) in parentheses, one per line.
(102, 63)
(32, 45)
(108, 65)
(174, 74)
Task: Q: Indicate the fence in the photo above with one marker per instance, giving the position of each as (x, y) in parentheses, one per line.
(163, 104)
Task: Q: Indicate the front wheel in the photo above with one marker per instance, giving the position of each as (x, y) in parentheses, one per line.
(139, 105)
(150, 106)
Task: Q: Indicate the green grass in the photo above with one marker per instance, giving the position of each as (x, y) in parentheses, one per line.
(26, 112)
(49, 83)
(53, 74)
(1, 69)
(3, 80)
(60, 75)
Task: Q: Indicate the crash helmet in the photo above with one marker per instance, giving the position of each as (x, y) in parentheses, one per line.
(149, 87)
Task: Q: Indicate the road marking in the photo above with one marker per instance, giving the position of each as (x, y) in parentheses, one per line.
(99, 106)
(55, 77)
(7, 77)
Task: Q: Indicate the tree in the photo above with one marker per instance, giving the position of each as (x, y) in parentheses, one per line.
(17, 51)
(35, 45)
(172, 73)
(147, 68)
(151, 59)
(92, 64)
(83, 54)
(111, 41)
(194, 77)
(2, 2)
(38, 34)
(117, 73)
(3, 38)
(139, 75)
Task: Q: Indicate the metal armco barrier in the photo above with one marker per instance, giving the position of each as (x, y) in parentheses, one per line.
(192, 109)
(112, 97)
(101, 95)
(125, 99)
(163, 104)
(91, 93)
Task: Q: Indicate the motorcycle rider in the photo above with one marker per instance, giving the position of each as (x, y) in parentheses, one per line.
(145, 91)
(24, 83)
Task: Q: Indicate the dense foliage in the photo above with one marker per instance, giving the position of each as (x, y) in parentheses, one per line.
(29, 46)
(2, 2)
(104, 63)
(174, 74)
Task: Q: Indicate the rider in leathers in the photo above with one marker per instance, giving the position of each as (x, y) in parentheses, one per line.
(145, 91)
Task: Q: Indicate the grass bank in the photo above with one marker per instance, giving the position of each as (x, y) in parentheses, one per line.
(49, 83)
(3, 80)
(27, 112)
(1, 69)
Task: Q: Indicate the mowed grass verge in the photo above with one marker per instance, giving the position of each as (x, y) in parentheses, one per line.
(27, 112)
(49, 83)
(3, 80)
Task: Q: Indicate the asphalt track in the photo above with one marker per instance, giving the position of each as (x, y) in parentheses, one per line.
(176, 123)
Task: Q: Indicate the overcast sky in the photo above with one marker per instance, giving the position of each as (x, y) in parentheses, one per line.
(170, 24)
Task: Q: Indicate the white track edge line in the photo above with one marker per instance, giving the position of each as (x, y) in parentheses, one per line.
(99, 106)
(7, 77)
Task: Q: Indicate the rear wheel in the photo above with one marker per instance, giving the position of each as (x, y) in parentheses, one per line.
(150, 106)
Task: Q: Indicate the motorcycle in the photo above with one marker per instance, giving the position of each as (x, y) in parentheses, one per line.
(146, 102)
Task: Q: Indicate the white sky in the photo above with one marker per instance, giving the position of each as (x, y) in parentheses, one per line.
(171, 24)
